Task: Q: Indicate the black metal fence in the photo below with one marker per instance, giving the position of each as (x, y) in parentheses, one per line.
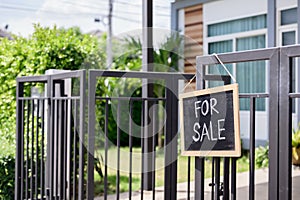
(50, 137)
(65, 135)
(146, 131)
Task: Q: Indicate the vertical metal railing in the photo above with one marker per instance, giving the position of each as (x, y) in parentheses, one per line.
(45, 126)
(30, 140)
(170, 135)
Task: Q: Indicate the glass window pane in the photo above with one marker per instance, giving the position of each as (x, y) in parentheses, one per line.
(288, 38)
(248, 43)
(239, 25)
(251, 75)
(288, 16)
(219, 47)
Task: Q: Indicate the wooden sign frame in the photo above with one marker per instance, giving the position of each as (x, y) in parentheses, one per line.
(236, 117)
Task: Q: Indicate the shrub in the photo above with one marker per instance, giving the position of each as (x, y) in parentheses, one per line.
(7, 174)
(262, 156)
(296, 137)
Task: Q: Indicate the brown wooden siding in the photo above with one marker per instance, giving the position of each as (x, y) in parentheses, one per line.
(193, 30)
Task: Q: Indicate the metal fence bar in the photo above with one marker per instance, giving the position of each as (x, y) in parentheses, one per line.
(42, 174)
(22, 132)
(199, 162)
(49, 106)
(217, 178)
(233, 178)
(118, 152)
(153, 136)
(130, 148)
(65, 149)
(226, 178)
(27, 150)
(285, 128)
(142, 147)
(51, 142)
(70, 150)
(91, 132)
(252, 150)
(142, 75)
(82, 76)
(56, 148)
(19, 177)
(274, 125)
(37, 149)
(75, 149)
(32, 151)
(170, 187)
(213, 182)
(199, 178)
(106, 149)
(61, 152)
(227, 80)
(189, 178)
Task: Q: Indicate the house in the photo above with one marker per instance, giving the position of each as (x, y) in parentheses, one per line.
(5, 34)
(220, 26)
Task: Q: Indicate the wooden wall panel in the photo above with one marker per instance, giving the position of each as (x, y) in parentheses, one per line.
(193, 30)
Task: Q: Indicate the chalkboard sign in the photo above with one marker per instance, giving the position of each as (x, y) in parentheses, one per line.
(210, 122)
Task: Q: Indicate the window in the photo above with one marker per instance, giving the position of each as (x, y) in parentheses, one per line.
(239, 25)
(239, 35)
(288, 38)
(251, 75)
(219, 47)
(288, 16)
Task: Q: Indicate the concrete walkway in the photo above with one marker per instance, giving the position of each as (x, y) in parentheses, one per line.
(261, 188)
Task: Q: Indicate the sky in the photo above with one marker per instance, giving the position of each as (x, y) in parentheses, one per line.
(20, 15)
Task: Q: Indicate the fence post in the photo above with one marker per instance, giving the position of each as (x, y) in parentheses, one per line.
(171, 141)
(19, 142)
(91, 134)
(285, 128)
(199, 162)
(273, 125)
(147, 91)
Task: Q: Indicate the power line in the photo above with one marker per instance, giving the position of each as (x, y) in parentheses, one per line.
(26, 9)
(126, 19)
(129, 4)
(119, 11)
(140, 5)
(85, 5)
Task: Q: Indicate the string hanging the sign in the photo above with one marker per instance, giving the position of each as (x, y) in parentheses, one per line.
(222, 64)
(228, 72)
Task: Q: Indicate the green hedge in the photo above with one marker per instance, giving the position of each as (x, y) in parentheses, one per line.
(7, 177)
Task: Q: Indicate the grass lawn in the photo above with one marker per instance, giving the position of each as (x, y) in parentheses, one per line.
(182, 165)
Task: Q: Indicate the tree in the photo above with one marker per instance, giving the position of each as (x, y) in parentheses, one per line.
(46, 48)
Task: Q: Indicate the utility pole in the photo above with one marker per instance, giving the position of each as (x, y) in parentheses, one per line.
(109, 35)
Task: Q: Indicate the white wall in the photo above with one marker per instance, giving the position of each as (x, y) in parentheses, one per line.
(221, 10)
(283, 4)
